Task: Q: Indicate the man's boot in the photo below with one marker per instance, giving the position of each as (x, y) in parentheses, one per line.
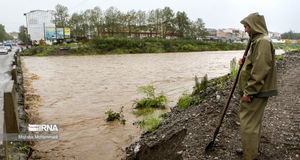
(239, 151)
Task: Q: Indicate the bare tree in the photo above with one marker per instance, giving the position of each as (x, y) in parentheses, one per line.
(60, 16)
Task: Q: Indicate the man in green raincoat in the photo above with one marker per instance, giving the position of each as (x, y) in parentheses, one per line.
(257, 82)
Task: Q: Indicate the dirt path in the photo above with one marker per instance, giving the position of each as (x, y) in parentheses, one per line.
(185, 134)
(282, 116)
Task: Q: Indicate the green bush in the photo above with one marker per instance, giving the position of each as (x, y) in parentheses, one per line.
(120, 45)
(188, 47)
(199, 98)
(134, 45)
(112, 116)
(151, 100)
(143, 111)
(220, 83)
(151, 123)
(184, 101)
(35, 50)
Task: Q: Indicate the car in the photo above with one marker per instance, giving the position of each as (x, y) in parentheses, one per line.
(20, 43)
(8, 46)
(3, 50)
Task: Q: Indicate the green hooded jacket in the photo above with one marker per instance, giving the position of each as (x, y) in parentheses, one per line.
(258, 76)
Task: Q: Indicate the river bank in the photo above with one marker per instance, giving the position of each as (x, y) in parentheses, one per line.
(185, 134)
(117, 45)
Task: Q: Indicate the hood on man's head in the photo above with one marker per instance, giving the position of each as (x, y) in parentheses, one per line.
(257, 23)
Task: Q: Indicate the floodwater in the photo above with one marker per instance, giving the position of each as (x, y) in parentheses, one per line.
(76, 91)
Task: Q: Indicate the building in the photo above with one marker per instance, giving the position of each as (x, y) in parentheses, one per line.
(231, 33)
(14, 34)
(212, 31)
(37, 21)
(275, 35)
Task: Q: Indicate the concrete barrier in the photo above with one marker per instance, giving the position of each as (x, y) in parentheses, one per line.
(3, 139)
(11, 108)
(14, 74)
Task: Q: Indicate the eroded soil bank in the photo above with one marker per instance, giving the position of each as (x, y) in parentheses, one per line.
(185, 134)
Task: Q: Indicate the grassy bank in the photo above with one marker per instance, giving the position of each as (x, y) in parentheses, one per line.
(114, 45)
(287, 46)
(117, 45)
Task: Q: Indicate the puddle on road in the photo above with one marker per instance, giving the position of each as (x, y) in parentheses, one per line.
(76, 91)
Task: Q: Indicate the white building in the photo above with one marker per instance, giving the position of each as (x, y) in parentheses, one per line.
(36, 22)
(275, 35)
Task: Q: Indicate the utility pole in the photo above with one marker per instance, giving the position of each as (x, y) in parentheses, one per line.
(44, 31)
(26, 31)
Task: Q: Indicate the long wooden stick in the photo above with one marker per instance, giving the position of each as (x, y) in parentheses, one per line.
(210, 145)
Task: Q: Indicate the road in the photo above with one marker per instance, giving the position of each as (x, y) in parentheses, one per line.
(5, 68)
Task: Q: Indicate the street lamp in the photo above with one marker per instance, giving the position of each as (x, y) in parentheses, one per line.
(26, 31)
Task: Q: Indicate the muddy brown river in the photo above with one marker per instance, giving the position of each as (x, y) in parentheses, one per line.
(76, 91)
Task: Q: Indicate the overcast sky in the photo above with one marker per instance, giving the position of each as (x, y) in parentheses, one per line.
(281, 15)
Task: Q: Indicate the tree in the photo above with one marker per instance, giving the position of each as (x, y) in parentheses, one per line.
(88, 26)
(3, 35)
(94, 22)
(131, 18)
(155, 20)
(76, 24)
(23, 36)
(151, 21)
(197, 29)
(141, 20)
(60, 16)
(167, 21)
(290, 35)
(182, 23)
(97, 19)
(112, 17)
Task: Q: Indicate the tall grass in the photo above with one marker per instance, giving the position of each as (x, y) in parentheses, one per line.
(151, 122)
(184, 101)
(200, 86)
(234, 68)
(152, 101)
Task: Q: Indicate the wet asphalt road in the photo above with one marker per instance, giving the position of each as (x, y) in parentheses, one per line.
(5, 68)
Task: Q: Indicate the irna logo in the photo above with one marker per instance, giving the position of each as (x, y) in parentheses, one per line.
(43, 127)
